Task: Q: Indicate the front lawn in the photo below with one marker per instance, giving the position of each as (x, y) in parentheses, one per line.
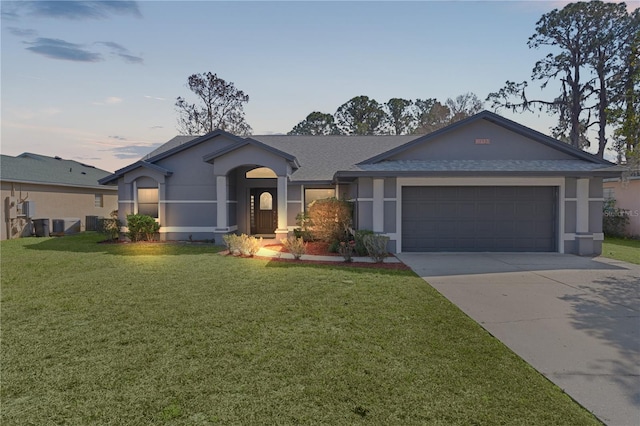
(622, 249)
(177, 334)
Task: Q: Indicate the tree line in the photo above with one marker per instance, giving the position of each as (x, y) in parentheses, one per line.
(362, 115)
(592, 49)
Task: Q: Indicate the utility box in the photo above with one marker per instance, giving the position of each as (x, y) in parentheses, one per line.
(29, 209)
(11, 207)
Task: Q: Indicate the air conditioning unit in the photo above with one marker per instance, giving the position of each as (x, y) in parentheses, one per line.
(29, 209)
(65, 226)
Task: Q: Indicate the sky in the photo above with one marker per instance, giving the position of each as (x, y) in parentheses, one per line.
(97, 82)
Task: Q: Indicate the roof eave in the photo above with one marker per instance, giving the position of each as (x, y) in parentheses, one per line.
(66, 185)
(119, 173)
(292, 160)
(352, 174)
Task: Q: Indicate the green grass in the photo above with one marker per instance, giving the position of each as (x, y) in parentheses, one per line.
(622, 249)
(176, 334)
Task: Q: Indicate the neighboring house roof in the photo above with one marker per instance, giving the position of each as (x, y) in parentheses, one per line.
(40, 169)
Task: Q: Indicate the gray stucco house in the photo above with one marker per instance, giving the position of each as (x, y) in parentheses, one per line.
(484, 183)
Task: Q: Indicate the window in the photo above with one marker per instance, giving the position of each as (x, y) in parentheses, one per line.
(148, 201)
(311, 195)
(98, 200)
(266, 201)
(261, 173)
(609, 193)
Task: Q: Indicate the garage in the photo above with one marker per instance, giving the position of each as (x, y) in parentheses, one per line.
(479, 218)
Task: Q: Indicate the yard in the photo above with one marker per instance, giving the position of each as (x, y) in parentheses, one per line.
(176, 334)
(622, 249)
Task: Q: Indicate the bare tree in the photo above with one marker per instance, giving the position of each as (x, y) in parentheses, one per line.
(220, 106)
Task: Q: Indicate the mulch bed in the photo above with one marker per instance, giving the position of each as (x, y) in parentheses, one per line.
(317, 248)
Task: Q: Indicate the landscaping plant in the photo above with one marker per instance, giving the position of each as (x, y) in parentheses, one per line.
(376, 246)
(330, 219)
(295, 245)
(614, 219)
(142, 227)
(110, 226)
(346, 249)
(244, 244)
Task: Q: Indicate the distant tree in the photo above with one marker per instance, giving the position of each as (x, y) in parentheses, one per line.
(625, 114)
(361, 116)
(316, 123)
(431, 115)
(463, 106)
(220, 106)
(586, 40)
(399, 115)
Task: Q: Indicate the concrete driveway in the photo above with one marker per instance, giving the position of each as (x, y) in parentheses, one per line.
(574, 319)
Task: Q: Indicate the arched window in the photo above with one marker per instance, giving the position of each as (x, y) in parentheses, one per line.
(266, 201)
(260, 173)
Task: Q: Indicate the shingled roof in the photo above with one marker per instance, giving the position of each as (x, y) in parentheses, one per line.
(41, 169)
(319, 156)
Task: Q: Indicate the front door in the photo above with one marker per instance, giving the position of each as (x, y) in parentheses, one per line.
(264, 210)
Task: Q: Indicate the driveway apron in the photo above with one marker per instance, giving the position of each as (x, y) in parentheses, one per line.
(576, 320)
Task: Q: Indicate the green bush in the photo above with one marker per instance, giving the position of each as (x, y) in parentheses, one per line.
(330, 219)
(142, 227)
(110, 226)
(614, 219)
(358, 237)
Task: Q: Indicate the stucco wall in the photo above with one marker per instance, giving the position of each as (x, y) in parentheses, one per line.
(57, 202)
(627, 196)
(586, 242)
(460, 144)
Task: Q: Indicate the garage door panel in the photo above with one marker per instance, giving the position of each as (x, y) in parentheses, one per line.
(479, 218)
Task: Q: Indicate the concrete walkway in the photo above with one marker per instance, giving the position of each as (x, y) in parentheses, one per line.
(576, 320)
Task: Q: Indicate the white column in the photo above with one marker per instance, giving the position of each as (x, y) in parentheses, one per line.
(221, 202)
(161, 204)
(282, 205)
(134, 188)
(378, 205)
(582, 206)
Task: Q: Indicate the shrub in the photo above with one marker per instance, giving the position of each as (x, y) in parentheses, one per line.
(330, 219)
(142, 227)
(376, 246)
(358, 236)
(303, 231)
(110, 226)
(346, 249)
(295, 245)
(232, 241)
(614, 219)
(244, 244)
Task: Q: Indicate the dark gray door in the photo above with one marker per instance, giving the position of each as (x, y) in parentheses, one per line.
(264, 210)
(478, 218)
